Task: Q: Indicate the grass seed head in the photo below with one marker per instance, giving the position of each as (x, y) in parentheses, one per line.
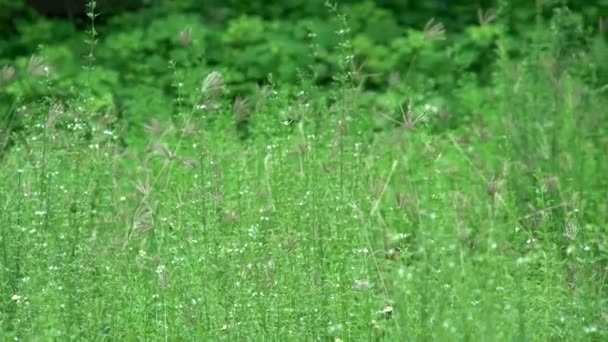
(434, 30)
(212, 84)
(185, 37)
(6, 74)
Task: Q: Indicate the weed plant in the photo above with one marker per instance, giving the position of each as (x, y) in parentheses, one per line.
(309, 214)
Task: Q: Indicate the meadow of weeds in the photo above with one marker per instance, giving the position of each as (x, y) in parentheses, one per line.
(307, 210)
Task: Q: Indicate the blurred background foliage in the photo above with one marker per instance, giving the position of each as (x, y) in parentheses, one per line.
(149, 55)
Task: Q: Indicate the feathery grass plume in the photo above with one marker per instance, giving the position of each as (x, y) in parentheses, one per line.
(7, 73)
(493, 187)
(154, 126)
(240, 108)
(212, 84)
(37, 67)
(211, 89)
(185, 37)
(434, 30)
(486, 17)
(55, 111)
(409, 119)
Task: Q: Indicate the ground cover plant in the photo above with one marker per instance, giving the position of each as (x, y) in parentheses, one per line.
(334, 175)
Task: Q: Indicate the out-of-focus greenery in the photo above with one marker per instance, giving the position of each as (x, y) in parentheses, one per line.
(392, 49)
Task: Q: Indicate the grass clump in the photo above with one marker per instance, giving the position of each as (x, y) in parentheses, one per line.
(304, 212)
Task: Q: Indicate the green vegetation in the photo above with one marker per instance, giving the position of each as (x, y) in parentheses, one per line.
(307, 172)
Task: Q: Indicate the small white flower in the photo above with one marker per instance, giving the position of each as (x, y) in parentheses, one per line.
(361, 284)
(431, 108)
(363, 250)
(334, 328)
(590, 329)
(388, 311)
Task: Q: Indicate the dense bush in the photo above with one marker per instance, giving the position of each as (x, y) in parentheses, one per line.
(393, 45)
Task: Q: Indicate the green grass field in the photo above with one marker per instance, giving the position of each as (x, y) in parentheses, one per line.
(311, 216)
